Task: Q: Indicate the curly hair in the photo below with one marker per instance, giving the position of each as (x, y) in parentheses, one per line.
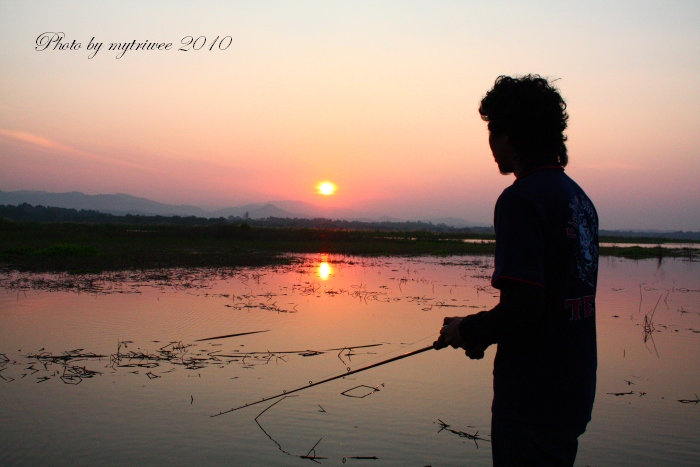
(531, 112)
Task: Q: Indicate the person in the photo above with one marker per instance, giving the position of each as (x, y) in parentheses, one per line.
(546, 268)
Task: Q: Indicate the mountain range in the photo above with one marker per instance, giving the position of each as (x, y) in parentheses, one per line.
(122, 204)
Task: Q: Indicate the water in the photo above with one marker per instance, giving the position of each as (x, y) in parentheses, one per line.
(157, 409)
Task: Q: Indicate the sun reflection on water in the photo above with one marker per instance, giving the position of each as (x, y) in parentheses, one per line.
(324, 268)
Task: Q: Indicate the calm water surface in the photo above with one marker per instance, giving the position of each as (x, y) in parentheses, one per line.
(149, 398)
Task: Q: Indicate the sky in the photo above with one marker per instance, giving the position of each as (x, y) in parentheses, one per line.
(378, 97)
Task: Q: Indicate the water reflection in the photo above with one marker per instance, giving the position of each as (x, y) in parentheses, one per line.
(77, 369)
(324, 268)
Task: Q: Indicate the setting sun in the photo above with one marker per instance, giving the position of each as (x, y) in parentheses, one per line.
(326, 188)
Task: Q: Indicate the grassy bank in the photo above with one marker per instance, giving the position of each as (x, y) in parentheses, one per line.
(30, 246)
(81, 247)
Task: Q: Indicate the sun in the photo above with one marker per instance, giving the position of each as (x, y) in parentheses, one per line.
(326, 188)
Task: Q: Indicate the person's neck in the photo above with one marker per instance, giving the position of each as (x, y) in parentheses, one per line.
(520, 169)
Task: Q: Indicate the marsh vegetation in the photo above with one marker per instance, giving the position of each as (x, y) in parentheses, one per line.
(88, 247)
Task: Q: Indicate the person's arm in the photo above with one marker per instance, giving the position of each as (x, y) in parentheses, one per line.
(521, 306)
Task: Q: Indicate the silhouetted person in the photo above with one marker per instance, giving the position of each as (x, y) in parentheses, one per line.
(546, 268)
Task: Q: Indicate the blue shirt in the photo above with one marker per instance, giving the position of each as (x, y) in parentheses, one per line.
(547, 236)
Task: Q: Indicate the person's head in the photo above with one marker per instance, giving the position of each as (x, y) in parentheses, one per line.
(528, 115)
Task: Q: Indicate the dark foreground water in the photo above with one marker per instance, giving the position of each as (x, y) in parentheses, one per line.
(112, 370)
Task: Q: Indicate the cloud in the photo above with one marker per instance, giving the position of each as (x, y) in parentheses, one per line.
(26, 137)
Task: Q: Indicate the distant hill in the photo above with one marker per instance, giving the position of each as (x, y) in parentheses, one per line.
(119, 203)
(27, 212)
(122, 204)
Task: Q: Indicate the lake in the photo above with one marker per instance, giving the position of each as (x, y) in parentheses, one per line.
(119, 369)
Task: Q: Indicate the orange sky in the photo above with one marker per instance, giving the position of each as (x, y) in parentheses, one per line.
(378, 97)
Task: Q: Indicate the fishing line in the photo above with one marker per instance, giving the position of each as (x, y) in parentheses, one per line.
(333, 378)
(403, 347)
(378, 356)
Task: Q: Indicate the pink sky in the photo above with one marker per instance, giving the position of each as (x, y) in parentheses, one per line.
(378, 97)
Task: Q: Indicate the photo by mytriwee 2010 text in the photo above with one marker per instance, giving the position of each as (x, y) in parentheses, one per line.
(56, 41)
(546, 268)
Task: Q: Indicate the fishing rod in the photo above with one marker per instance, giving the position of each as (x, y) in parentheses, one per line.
(437, 345)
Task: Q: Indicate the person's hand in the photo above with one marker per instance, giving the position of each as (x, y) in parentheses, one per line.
(450, 336)
(449, 333)
(475, 353)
